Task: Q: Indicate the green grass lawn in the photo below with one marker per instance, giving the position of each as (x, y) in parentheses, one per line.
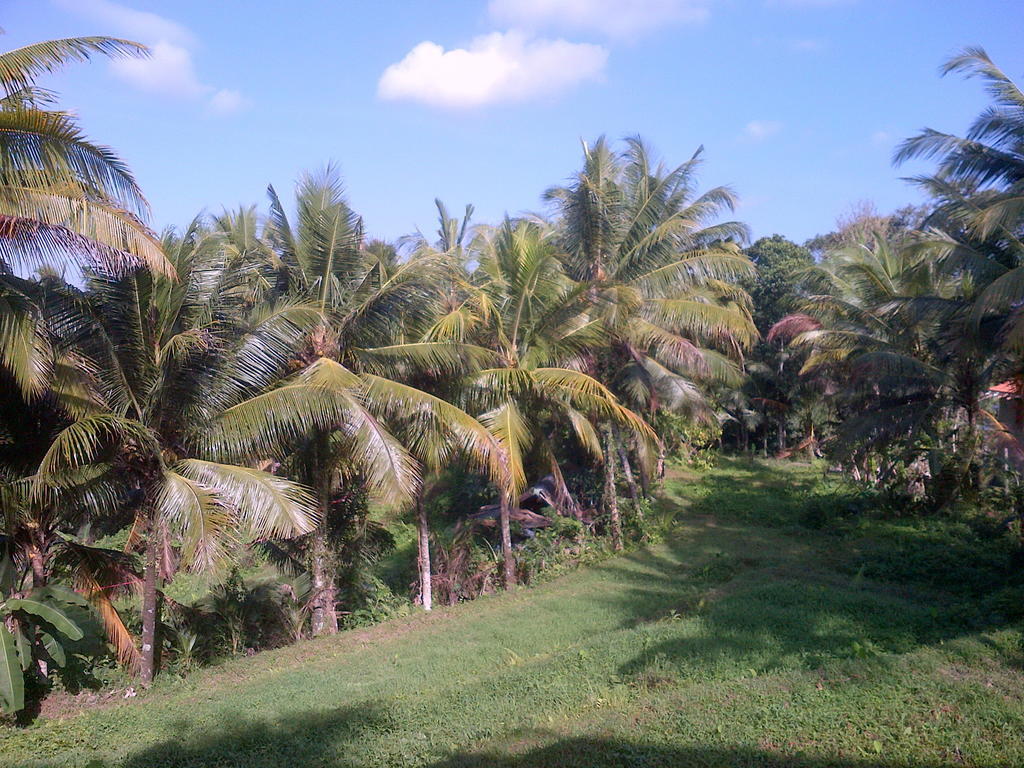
(744, 639)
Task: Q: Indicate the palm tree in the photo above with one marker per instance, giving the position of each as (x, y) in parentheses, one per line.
(454, 321)
(64, 200)
(538, 321)
(979, 189)
(166, 362)
(369, 308)
(661, 277)
(893, 323)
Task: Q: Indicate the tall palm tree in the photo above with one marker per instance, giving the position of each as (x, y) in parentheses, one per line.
(979, 190)
(368, 307)
(166, 361)
(662, 278)
(64, 200)
(455, 319)
(538, 321)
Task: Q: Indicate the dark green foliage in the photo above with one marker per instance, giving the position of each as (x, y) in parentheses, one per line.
(775, 286)
(38, 627)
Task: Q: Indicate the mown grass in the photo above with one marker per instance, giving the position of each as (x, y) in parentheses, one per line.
(745, 639)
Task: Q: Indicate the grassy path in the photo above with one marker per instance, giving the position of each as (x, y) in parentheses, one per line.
(740, 641)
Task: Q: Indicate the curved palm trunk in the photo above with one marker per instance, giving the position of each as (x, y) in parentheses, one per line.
(426, 588)
(509, 563)
(610, 500)
(566, 504)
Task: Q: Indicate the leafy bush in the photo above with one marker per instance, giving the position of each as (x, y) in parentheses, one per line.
(36, 627)
(694, 444)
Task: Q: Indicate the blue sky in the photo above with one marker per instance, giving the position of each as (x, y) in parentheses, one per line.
(798, 103)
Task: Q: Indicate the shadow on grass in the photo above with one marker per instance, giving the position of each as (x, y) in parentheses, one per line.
(602, 753)
(313, 739)
(329, 740)
(320, 742)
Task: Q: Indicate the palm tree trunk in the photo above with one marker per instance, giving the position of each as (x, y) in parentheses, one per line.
(645, 480)
(610, 500)
(38, 562)
(644, 472)
(627, 471)
(565, 503)
(426, 588)
(661, 460)
(509, 568)
(323, 616)
(324, 619)
(150, 605)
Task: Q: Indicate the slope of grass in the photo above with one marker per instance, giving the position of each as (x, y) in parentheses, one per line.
(743, 640)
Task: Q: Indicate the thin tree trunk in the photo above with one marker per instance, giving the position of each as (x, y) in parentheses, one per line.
(509, 563)
(324, 619)
(426, 588)
(645, 478)
(627, 471)
(150, 604)
(37, 561)
(661, 460)
(610, 500)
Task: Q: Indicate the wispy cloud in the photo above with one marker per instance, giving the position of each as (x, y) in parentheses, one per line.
(170, 70)
(495, 68)
(614, 18)
(759, 130)
(881, 138)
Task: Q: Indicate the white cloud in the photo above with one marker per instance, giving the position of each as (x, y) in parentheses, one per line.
(614, 18)
(881, 138)
(499, 67)
(170, 69)
(226, 101)
(758, 130)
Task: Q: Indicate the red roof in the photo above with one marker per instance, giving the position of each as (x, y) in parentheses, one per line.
(1012, 387)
